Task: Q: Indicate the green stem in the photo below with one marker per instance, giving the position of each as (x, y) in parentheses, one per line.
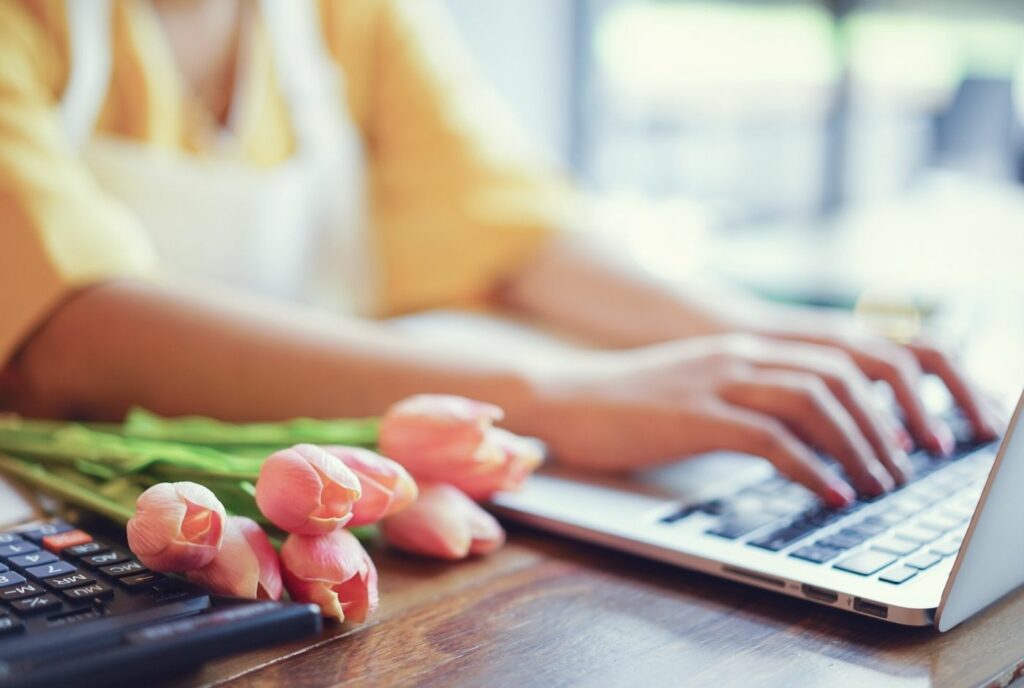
(41, 479)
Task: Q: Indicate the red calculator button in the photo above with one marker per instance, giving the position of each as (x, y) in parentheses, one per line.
(56, 543)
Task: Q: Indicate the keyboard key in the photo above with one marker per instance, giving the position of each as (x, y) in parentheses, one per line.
(72, 580)
(938, 523)
(21, 590)
(13, 549)
(865, 563)
(922, 535)
(867, 528)
(739, 525)
(33, 605)
(85, 549)
(816, 554)
(3, 568)
(105, 558)
(33, 559)
(88, 592)
(56, 543)
(898, 574)
(897, 546)
(141, 580)
(57, 568)
(946, 549)
(841, 540)
(126, 568)
(783, 537)
(9, 625)
(10, 578)
(923, 561)
(888, 518)
(37, 534)
(8, 538)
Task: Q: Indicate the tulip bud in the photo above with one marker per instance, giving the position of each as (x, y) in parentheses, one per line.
(387, 488)
(332, 571)
(305, 490)
(176, 527)
(450, 439)
(246, 566)
(443, 523)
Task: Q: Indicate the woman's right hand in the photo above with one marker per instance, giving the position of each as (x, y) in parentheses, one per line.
(770, 398)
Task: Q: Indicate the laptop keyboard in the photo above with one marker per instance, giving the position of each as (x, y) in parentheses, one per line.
(891, 538)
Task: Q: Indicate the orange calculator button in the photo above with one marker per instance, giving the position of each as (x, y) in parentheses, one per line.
(70, 538)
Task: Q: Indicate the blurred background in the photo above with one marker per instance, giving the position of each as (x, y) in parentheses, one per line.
(866, 154)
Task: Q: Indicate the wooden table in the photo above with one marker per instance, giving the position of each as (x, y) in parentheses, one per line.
(546, 611)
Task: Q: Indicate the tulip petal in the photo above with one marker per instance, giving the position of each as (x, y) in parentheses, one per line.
(176, 527)
(332, 571)
(235, 571)
(438, 524)
(386, 486)
(303, 489)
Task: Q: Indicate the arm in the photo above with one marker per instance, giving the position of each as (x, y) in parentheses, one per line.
(175, 352)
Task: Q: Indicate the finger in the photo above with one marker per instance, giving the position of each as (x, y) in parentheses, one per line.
(967, 398)
(898, 368)
(759, 435)
(852, 389)
(806, 405)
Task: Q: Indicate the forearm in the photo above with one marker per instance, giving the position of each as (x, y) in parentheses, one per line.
(177, 352)
(596, 292)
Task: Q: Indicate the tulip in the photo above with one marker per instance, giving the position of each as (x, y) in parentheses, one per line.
(176, 527)
(246, 566)
(387, 488)
(332, 571)
(305, 490)
(450, 439)
(443, 523)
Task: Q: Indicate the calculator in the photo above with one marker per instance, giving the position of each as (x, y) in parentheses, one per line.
(81, 609)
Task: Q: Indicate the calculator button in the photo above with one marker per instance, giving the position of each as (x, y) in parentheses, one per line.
(10, 578)
(105, 559)
(9, 625)
(21, 590)
(85, 549)
(32, 605)
(89, 592)
(52, 528)
(13, 549)
(34, 559)
(3, 569)
(57, 543)
(57, 568)
(72, 580)
(8, 538)
(126, 568)
(141, 580)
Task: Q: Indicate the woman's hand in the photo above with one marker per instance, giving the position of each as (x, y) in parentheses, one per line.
(777, 399)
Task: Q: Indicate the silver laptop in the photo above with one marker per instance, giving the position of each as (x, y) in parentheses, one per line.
(934, 552)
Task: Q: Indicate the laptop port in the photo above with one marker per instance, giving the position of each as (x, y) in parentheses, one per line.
(819, 594)
(872, 608)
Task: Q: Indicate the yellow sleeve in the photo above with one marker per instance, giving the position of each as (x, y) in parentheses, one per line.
(58, 230)
(458, 195)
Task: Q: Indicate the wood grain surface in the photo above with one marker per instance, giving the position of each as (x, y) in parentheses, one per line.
(546, 611)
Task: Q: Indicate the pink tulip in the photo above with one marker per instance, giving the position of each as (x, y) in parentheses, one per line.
(246, 566)
(305, 490)
(443, 523)
(451, 439)
(387, 487)
(332, 571)
(176, 527)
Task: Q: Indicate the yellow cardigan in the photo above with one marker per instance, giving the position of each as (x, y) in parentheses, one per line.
(457, 197)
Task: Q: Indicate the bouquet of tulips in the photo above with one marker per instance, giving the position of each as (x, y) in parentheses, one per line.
(171, 480)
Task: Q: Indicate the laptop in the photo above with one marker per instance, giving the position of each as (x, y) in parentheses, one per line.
(934, 552)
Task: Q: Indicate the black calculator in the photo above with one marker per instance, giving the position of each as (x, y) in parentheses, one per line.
(78, 610)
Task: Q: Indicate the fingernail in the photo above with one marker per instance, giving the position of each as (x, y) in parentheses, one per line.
(885, 481)
(839, 495)
(942, 438)
(903, 438)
